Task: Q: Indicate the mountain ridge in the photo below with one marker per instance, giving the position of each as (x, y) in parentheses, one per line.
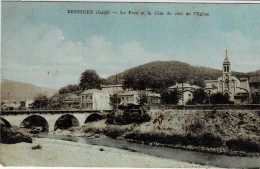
(20, 91)
(163, 74)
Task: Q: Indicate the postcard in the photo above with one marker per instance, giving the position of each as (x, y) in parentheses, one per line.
(130, 84)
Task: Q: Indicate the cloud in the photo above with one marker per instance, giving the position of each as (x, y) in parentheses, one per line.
(43, 56)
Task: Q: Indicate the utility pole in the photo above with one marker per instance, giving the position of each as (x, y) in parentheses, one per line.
(9, 101)
(182, 92)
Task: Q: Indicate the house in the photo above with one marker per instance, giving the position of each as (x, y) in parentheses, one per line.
(94, 99)
(29, 104)
(254, 84)
(132, 97)
(129, 98)
(186, 90)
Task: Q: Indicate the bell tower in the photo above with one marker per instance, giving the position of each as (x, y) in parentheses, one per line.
(226, 75)
(226, 66)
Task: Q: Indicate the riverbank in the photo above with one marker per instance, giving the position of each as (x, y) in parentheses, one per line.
(49, 153)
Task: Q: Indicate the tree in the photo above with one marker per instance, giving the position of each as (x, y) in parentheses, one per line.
(143, 100)
(219, 98)
(90, 80)
(170, 97)
(115, 100)
(199, 96)
(70, 89)
(40, 102)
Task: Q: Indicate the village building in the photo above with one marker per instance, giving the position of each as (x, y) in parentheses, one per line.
(132, 97)
(25, 105)
(254, 84)
(94, 99)
(113, 91)
(186, 90)
(236, 89)
(29, 104)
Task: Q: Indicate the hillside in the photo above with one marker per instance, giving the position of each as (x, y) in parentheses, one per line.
(163, 74)
(22, 91)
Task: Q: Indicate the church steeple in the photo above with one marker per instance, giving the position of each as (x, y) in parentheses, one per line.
(226, 57)
(226, 64)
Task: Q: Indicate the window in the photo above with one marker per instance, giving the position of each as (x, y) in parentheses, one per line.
(127, 98)
(123, 98)
(82, 97)
(90, 96)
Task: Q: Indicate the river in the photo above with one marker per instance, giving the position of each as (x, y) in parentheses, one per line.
(214, 160)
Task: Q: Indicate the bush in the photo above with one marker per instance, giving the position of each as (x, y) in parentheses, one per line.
(14, 135)
(114, 131)
(36, 147)
(243, 145)
(206, 140)
(128, 117)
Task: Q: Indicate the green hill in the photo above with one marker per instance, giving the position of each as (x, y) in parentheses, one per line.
(19, 91)
(160, 75)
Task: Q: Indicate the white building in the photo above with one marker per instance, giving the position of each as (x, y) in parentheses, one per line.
(94, 99)
(133, 97)
(186, 90)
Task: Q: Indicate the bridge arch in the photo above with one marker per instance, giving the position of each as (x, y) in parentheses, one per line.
(66, 121)
(6, 123)
(36, 122)
(93, 117)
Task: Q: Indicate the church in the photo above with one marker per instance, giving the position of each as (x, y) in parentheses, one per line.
(236, 89)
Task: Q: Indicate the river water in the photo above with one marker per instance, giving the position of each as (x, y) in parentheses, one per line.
(164, 152)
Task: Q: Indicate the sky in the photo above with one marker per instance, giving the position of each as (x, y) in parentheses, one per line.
(45, 45)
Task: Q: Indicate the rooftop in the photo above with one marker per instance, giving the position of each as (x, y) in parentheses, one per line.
(184, 85)
(254, 79)
(108, 86)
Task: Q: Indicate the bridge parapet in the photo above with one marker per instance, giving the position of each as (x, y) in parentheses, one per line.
(17, 112)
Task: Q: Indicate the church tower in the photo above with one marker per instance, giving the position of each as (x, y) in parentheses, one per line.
(226, 66)
(226, 75)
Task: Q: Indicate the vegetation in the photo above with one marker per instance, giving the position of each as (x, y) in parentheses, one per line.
(90, 80)
(170, 97)
(70, 89)
(219, 98)
(128, 116)
(37, 147)
(143, 100)
(40, 102)
(160, 75)
(206, 140)
(14, 135)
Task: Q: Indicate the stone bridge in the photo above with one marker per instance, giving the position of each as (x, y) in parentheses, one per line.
(50, 120)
